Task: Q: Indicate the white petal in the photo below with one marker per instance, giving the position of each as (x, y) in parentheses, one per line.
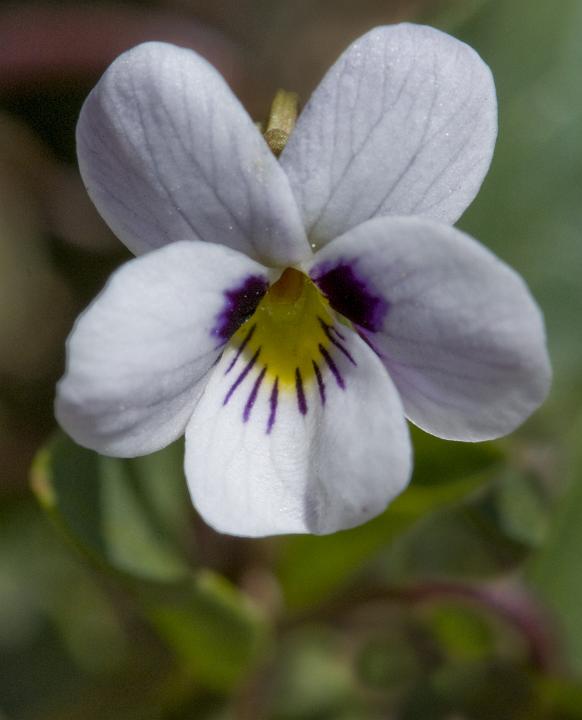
(139, 356)
(278, 461)
(403, 124)
(168, 154)
(457, 329)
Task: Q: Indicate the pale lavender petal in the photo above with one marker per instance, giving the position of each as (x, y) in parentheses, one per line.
(168, 154)
(403, 124)
(457, 329)
(139, 357)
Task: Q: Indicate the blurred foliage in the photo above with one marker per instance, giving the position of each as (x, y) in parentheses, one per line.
(462, 601)
(555, 569)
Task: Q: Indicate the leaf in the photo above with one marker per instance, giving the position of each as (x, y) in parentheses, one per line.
(522, 507)
(312, 679)
(213, 628)
(125, 514)
(464, 633)
(109, 507)
(311, 568)
(555, 570)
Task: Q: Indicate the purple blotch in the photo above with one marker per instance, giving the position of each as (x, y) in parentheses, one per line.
(320, 383)
(253, 396)
(242, 376)
(350, 295)
(301, 402)
(327, 330)
(333, 367)
(240, 304)
(241, 347)
(273, 400)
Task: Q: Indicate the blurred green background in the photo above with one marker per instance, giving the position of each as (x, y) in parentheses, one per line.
(464, 600)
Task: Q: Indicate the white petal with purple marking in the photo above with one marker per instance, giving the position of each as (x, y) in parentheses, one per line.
(324, 455)
(168, 153)
(403, 124)
(457, 329)
(139, 356)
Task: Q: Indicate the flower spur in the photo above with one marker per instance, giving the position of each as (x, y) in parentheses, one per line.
(289, 315)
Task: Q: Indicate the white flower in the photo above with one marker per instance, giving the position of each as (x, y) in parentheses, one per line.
(287, 316)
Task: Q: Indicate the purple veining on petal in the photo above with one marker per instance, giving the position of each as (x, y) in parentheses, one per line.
(253, 396)
(320, 383)
(350, 294)
(370, 344)
(333, 367)
(242, 376)
(241, 347)
(240, 304)
(327, 330)
(337, 332)
(273, 400)
(301, 402)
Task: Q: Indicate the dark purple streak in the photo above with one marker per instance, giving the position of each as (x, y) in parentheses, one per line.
(253, 396)
(241, 347)
(273, 400)
(327, 330)
(301, 402)
(320, 383)
(242, 376)
(333, 367)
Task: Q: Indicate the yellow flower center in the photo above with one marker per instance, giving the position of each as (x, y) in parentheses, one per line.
(288, 330)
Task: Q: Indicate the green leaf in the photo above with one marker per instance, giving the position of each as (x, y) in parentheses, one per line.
(125, 514)
(522, 507)
(462, 632)
(312, 679)
(561, 696)
(310, 568)
(555, 570)
(111, 509)
(213, 628)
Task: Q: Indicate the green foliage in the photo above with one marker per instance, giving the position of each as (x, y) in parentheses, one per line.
(313, 681)
(556, 570)
(462, 632)
(523, 507)
(115, 509)
(216, 632)
(129, 516)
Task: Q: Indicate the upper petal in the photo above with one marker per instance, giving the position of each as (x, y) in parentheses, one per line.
(457, 329)
(168, 153)
(138, 357)
(404, 123)
(326, 453)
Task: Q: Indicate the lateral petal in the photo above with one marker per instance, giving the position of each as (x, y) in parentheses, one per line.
(457, 329)
(138, 357)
